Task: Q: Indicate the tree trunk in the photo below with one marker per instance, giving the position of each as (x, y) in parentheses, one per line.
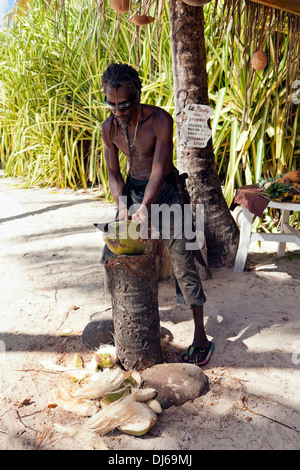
(191, 87)
(134, 294)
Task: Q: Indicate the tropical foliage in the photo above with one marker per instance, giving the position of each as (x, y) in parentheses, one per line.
(51, 104)
(255, 126)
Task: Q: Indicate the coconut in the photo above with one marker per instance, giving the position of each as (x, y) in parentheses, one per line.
(113, 397)
(141, 20)
(101, 383)
(133, 378)
(123, 238)
(105, 356)
(120, 6)
(103, 360)
(145, 394)
(155, 406)
(118, 413)
(144, 419)
(259, 60)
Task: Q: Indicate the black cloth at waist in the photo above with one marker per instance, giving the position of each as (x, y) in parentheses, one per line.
(136, 188)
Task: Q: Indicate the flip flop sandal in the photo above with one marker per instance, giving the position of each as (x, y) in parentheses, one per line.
(198, 356)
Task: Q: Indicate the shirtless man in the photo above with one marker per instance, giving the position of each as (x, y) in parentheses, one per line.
(144, 134)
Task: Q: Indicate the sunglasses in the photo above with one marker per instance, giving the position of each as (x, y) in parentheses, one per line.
(121, 107)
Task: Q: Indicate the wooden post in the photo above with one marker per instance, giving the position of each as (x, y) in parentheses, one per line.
(134, 294)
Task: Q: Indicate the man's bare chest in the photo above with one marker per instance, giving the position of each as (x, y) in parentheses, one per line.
(139, 142)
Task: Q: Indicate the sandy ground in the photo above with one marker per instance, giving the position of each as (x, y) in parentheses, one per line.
(51, 280)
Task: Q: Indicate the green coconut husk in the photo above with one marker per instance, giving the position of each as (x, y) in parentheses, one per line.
(123, 238)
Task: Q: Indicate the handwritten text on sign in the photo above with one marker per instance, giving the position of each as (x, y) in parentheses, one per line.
(195, 130)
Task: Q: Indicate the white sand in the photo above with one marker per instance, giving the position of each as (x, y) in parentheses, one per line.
(51, 280)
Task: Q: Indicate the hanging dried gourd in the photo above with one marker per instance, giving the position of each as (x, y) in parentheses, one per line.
(196, 3)
(259, 60)
(141, 20)
(120, 6)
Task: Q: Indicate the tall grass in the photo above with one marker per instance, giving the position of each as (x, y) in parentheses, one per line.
(51, 104)
(253, 136)
(52, 108)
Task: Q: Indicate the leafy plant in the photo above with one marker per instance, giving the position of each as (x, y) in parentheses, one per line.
(51, 105)
(254, 134)
(277, 190)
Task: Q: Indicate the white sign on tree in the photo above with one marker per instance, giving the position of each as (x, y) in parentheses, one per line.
(196, 132)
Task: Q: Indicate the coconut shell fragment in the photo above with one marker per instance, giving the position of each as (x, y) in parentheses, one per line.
(155, 406)
(141, 20)
(141, 423)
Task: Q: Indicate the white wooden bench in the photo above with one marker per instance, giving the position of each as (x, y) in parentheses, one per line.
(288, 234)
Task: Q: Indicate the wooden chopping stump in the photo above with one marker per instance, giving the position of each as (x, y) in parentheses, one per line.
(134, 294)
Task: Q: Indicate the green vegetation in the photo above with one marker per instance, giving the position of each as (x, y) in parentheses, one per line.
(255, 133)
(51, 104)
(51, 101)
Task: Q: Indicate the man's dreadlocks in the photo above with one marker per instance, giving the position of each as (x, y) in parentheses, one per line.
(116, 74)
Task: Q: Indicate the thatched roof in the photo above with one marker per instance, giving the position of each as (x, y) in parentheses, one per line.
(291, 6)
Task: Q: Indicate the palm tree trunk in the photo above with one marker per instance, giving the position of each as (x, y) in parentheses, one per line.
(134, 295)
(191, 87)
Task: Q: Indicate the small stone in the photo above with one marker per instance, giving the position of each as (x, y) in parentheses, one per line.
(98, 332)
(176, 383)
(101, 331)
(165, 334)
